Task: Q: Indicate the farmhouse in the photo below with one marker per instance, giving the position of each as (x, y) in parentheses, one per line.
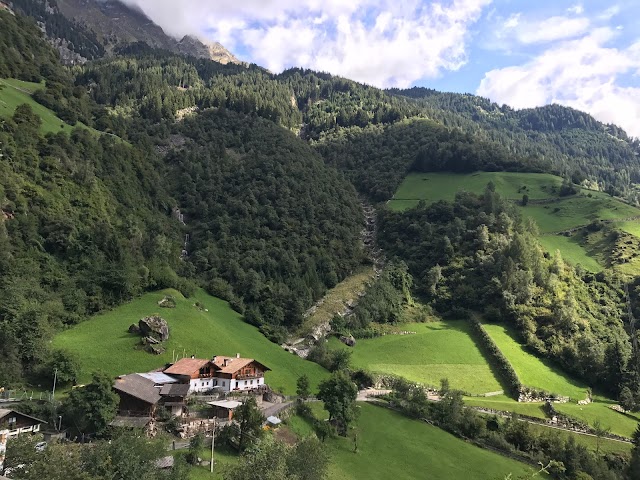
(220, 373)
(15, 423)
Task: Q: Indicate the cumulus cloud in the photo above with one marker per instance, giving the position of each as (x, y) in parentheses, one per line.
(583, 73)
(384, 43)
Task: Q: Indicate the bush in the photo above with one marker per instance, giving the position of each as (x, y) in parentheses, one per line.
(497, 358)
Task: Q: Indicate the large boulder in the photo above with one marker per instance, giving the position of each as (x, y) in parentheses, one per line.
(349, 341)
(154, 327)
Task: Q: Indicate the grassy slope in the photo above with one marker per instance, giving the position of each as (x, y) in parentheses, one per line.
(103, 343)
(533, 371)
(572, 251)
(438, 350)
(578, 211)
(16, 92)
(393, 446)
(559, 215)
(443, 186)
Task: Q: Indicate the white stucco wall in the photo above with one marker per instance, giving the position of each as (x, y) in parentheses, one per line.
(227, 385)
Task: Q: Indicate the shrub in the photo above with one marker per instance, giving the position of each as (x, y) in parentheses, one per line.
(497, 358)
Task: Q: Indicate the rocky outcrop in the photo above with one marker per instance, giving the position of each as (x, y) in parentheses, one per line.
(154, 327)
(348, 340)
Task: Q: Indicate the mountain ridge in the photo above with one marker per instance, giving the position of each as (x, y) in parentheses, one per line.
(105, 26)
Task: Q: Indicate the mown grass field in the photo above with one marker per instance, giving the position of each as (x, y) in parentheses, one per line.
(437, 350)
(578, 211)
(16, 92)
(432, 187)
(391, 445)
(103, 343)
(571, 250)
(620, 424)
(533, 371)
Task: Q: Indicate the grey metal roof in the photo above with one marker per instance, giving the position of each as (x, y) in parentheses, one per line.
(159, 378)
(138, 387)
(175, 390)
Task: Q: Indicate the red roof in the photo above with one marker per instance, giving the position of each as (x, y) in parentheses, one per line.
(186, 366)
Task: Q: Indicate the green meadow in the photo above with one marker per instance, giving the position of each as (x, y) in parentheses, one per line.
(554, 214)
(103, 342)
(391, 445)
(538, 373)
(578, 211)
(16, 92)
(437, 350)
(572, 251)
(619, 423)
(432, 187)
(533, 371)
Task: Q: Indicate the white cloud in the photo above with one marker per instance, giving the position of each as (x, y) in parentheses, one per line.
(582, 73)
(384, 43)
(577, 9)
(529, 31)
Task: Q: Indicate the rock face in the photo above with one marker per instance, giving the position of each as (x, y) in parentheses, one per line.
(116, 24)
(154, 327)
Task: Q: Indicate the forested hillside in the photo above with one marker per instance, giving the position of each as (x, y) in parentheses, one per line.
(571, 142)
(272, 226)
(478, 253)
(86, 220)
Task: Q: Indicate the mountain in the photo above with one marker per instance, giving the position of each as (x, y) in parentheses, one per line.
(87, 29)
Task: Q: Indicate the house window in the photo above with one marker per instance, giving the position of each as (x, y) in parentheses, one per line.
(245, 382)
(224, 384)
(236, 384)
(12, 420)
(251, 382)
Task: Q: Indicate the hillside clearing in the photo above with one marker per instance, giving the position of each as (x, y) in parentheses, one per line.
(432, 187)
(571, 250)
(578, 211)
(16, 92)
(437, 350)
(103, 342)
(551, 213)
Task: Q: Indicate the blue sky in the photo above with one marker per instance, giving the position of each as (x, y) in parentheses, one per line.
(584, 54)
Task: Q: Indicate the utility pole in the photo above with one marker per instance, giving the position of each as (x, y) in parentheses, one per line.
(55, 378)
(213, 441)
